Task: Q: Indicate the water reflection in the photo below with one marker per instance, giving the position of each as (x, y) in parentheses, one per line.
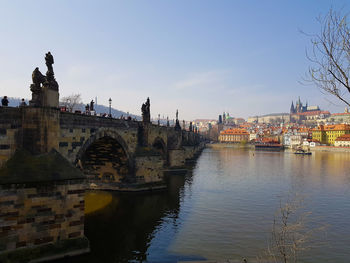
(123, 230)
(236, 193)
(224, 210)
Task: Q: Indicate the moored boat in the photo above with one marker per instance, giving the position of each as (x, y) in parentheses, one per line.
(269, 146)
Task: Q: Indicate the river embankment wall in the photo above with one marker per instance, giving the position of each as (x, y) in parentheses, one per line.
(330, 149)
(231, 145)
(250, 146)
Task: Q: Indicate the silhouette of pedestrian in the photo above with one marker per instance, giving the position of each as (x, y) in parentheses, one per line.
(5, 101)
(23, 103)
(92, 105)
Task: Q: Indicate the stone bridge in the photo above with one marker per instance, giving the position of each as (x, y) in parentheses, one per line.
(113, 153)
(47, 156)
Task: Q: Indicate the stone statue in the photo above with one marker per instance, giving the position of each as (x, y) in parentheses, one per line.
(36, 88)
(51, 82)
(37, 79)
(146, 111)
(177, 123)
(43, 86)
(148, 104)
(49, 61)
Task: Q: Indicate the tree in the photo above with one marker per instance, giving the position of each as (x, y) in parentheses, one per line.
(71, 101)
(293, 232)
(330, 56)
(288, 233)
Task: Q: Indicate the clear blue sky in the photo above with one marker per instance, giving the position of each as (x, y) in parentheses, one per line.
(201, 57)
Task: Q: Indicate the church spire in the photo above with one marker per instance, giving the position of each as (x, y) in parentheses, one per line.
(292, 109)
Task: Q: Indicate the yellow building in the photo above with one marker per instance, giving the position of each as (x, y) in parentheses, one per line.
(327, 134)
(234, 135)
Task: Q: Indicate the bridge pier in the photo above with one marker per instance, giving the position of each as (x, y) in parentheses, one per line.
(41, 208)
(149, 171)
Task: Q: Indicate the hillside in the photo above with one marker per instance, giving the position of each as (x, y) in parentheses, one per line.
(100, 109)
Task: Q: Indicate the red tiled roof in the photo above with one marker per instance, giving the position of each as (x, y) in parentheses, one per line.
(236, 131)
(311, 113)
(344, 137)
(336, 127)
(341, 114)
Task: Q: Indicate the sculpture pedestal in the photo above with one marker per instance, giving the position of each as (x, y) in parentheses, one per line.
(50, 98)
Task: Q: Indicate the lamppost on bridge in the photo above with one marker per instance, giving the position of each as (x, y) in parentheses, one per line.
(110, 105)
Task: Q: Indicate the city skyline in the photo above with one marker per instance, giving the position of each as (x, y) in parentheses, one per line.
(200, 57)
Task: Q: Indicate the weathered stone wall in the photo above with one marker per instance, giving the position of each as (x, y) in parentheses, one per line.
(176, 158)
(35, 215)
(40, 128)
(189, 151)
(149, 169)
(157, 132)
(174, 139)
(10, 124)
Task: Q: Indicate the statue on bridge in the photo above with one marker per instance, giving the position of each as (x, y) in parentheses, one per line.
(49, 61)
(177, 123)
(41, 84)
(36, 88)
(51, 82)
(146, 111)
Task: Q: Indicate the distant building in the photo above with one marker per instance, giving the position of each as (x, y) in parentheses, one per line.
(252, 136)
(239, 121)
(220, 119)
(343, 141)
(339, 118)
(234, 135)
(306, 114)
(327, 134)
(313, 115)
(298, 113)
(300, 108)
(270, 118)
(204, 124)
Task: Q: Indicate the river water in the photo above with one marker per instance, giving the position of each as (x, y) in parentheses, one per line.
(224, 209)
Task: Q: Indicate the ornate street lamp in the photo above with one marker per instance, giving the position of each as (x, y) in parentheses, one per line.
(110, 104)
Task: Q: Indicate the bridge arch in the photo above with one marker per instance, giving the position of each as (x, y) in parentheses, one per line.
(160, 146)
(105, 157)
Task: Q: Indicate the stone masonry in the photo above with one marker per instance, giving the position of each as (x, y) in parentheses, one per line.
(41, 214)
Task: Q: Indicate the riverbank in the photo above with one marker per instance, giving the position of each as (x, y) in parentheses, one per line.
(331, 149)
(251, 146)
(230, 145)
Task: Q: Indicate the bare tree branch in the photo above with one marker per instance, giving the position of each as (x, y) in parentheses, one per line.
(71, 101)
(330, 56)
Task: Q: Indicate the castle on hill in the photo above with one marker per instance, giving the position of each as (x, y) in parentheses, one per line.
(300, 108)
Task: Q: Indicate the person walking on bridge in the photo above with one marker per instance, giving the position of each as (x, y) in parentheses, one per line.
(23, 103)
(5, 101)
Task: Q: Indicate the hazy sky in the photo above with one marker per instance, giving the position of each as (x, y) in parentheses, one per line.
(202, 57)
